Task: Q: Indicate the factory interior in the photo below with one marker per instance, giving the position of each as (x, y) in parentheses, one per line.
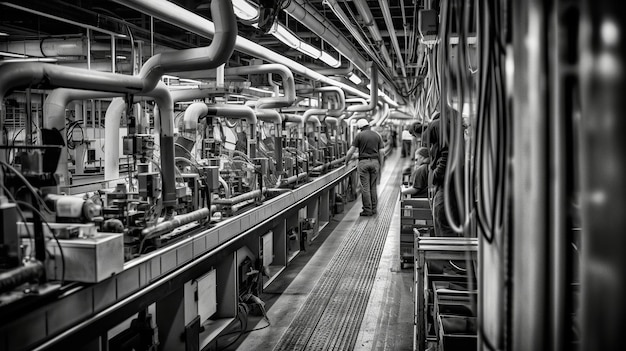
(194, 175)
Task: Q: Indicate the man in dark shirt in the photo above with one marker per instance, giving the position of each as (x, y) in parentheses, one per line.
(369, 145)
(419, 177)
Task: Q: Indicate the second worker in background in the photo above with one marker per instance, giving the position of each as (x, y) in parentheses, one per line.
(370, 148)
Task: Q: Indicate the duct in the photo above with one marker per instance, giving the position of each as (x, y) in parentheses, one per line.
(373, 93)
(242, 112)
(289, 85)
(384, 7)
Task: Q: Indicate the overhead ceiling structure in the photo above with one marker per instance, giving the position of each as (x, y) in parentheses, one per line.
(333, 38)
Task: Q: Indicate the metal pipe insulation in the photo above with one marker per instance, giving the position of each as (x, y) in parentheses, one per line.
(239, 198)
(177, 221)
(289, 85)
(373, 101)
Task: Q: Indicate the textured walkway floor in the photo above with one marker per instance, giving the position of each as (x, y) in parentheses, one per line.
(347, 292)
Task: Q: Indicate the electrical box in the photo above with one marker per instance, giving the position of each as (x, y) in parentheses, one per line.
(427, 21)
(87, 260)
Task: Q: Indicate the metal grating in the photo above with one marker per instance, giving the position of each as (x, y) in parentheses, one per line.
(331, 316)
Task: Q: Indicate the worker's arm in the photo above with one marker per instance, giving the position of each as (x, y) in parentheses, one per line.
(381, 157)
(349, 154)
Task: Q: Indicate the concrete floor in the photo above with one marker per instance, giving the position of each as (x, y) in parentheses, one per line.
(388, 320)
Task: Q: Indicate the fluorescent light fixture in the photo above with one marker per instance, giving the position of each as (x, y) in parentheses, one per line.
(355, 79)
(330, 60)
(3, 34)
(10, 54)
(244, 10)
(309, 50)
(283, 34)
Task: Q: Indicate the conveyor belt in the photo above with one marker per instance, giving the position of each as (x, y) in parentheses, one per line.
(331, 316)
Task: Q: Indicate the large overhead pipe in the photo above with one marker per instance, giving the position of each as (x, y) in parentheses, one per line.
(341, 98)
(289, 85)
(199, 25)
(373, 101)
(14, 75)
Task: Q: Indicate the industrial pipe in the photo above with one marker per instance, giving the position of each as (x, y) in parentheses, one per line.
(244, 112)
(193, 114)
(341, 98)
(176, 222)
(239, 198)
(373, 101)
(289, 85)
(275, 117)
(293, 179)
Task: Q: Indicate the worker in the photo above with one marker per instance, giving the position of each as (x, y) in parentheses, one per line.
(407, 141)
(419, 177)
(369, 145)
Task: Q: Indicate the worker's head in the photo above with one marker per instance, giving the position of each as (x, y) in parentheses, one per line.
(362, 123)
(421, 155)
